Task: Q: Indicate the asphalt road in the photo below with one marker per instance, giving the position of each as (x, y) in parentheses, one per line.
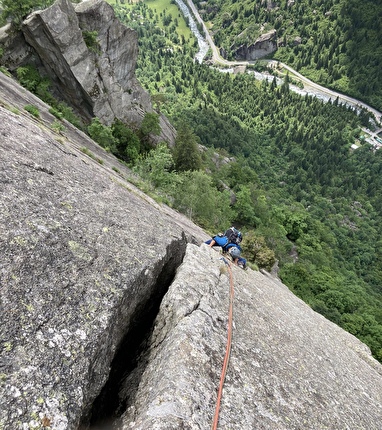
(217, 59)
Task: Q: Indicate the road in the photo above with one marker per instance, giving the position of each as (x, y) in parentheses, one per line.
(217, 59)
(334, 94)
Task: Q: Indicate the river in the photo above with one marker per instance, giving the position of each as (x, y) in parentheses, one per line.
(203, 44)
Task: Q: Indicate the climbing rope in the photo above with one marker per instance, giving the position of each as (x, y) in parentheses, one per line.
(228, 347)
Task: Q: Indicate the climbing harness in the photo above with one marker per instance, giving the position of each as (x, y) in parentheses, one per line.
(228, 347)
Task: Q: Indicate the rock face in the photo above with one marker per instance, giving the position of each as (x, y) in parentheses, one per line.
(97, 80)
(289, 367)
(85, 258)
(85, 261)
(264, 45)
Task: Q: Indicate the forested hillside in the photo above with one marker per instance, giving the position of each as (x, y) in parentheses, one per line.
(333, 42)
(301, 191)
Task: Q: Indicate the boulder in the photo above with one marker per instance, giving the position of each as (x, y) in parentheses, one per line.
(263, 46)
(15, 51)
(57, 40)
(116, 61)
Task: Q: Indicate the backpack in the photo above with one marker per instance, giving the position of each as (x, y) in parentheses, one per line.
(233, 235)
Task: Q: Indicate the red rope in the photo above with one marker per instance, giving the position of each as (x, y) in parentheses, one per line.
(227, 353)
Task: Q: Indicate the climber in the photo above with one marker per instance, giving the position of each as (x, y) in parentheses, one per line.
(229, 242)
(232, 236)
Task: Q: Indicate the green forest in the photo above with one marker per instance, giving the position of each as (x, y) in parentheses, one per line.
(301, 192)
(333, 42)
(277, 165)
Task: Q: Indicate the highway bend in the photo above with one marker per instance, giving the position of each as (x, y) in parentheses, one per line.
(217, 59)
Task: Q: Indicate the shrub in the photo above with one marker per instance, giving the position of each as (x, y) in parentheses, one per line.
(257, 251)
(90, 39)
(127, 145)
(157, 165)
(102, 134)
(56, 113)
(29, 77)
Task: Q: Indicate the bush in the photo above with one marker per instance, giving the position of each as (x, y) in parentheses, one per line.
(102, 134)
(149, 125)
(68, 114)
(257, 251)
(157, 165)
(127, 145)
(29, 77)
(90, 39)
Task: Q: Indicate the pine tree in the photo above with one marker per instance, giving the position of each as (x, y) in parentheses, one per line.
(186, 152)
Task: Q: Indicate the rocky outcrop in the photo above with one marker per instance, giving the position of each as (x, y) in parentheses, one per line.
(85, 257)
(97, 80)
(289, 368)
(263, 46)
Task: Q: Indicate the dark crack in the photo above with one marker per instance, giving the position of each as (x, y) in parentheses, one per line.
(38, 168)
(130, 359)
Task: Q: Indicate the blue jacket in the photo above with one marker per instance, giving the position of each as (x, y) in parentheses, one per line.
(223, 242)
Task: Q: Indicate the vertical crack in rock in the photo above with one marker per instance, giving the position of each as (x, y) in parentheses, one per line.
(129, 363)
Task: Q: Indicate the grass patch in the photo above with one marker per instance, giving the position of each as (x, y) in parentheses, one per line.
(165, 7)
(5, 71)
(12, 109)
(91, 155)
(159, 9)
(57, 127)
(33, 110)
